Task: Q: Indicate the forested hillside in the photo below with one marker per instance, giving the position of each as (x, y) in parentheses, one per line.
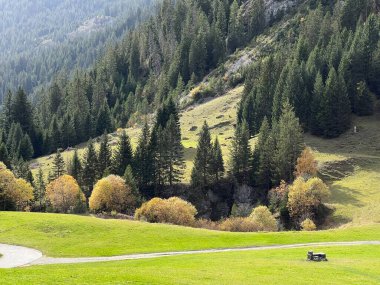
(306, 66)
(43, 38)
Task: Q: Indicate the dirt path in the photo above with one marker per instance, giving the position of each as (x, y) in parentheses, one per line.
(16, 256)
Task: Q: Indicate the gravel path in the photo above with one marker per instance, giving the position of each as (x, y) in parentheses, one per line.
(16, 256)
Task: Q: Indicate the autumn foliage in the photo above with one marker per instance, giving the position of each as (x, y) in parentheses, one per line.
(264, 219)
(308, 225)
(305, 197)
(306, 164)
(112, 194)
(172, 211)
(65, 195)
(15, 193)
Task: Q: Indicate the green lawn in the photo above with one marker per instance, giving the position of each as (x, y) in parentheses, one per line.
(75, 236)
(347, 265)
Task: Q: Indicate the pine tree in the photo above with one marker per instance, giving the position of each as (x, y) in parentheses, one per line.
(264, 151)
(58, 168)
(4, 157)
(316, 106)
(201, 174)
(289, 145)
(131, 182)
(240, 154)
(22, 112)
(336, 108)
(123, 155)
(365, 100)
(39, 190)
(173, 152)
(104, 157)
(75, 167)
(217, 163)
(143, 162)
(90, 174)
(26, 148)
(104, 120)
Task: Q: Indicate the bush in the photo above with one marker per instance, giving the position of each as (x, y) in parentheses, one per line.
(172, 211)
(112, 194)
(239, 224)
(308, 225)
(264, 219)
(65, 195)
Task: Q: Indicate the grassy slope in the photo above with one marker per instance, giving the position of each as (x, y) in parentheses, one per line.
(71, 236)
(360, 266)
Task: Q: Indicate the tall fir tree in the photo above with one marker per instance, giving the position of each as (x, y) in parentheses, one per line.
(75, 168)
(123, 155)
(217, 163)
(104, 157)
(241, 154)
(289, 145)
(39, 191)
(201, 175)
(59, 167)
(90, 173)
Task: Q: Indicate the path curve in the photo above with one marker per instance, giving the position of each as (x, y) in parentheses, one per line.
(16, 256)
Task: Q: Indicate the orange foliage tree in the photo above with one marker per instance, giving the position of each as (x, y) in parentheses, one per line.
(306, 164)
(172, 211)
(112, 194)
(65, 195)
(15, 193)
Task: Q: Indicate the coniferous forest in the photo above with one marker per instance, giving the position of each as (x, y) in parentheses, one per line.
(315, 76)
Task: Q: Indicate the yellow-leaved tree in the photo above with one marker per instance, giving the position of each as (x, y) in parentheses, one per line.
(15, 193)
(264, 219)
(112, 194)
(65, 195)
(305, 196)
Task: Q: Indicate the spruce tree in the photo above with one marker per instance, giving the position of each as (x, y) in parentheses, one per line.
(217, 163)
(240, 154)
(143, 162)
(365, 100)
(104, 157)
(264, 151)
(123, 155)
(39, 190)
(174, 152)
(75, 167)
(201, 174)
(26, 148)
(131, 182)
(316, 106)
(58, 168)
(90, 174)
(289, 145)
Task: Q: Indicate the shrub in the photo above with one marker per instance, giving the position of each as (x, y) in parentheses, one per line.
(112, 194)
(172, 211)
(207, 224)
(239, 224)
(264, 219)
(308, 225)
(65, 195)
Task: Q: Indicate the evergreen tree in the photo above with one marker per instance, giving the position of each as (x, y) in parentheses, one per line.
(26, 148)
(289, 145)
(365, 100)
(316, 106)
(22, 112)
(104, 157)
(58, 168)
(39, 190)
(201, 174)
(75, 167)
(143, 161)
(131, 182)
(173, 154)
(336, 107)
(123, 155)
(217, 163)
(90, 174)
(240, 154)
(4, 157)
(264, 151)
